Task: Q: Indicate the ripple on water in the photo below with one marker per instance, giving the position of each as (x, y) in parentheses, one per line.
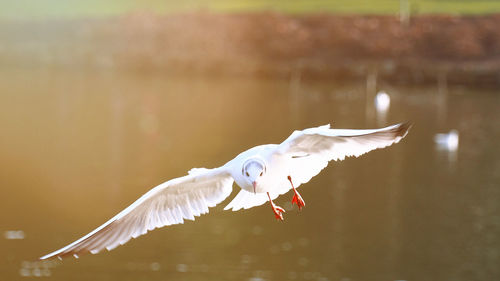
(37, 268)
(274, 249)
(257, 230)
(181, 267)
(14, 234)
(154, 266)
(286, 246)
(303, 242)
(292, 275)
(303, 261)
(261, 274)
(246, 259)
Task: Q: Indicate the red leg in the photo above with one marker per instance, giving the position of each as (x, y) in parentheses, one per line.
(297, 199)
(278, 211)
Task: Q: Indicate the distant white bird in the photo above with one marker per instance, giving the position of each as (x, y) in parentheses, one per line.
(448, 141)
(382, 101)
(263, 173)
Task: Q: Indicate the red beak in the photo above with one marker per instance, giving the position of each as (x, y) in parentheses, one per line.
(254, 185)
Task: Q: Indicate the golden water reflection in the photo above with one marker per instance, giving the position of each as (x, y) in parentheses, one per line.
(77, 147)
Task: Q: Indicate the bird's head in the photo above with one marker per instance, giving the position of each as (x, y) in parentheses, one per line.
(253, 169)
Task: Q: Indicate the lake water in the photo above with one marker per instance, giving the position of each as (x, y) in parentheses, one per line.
(78, 147)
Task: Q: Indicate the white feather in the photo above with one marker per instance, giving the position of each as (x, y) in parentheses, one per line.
(313, 148)
(169, 203)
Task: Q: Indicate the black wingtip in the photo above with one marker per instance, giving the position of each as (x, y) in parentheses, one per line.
(402, 129)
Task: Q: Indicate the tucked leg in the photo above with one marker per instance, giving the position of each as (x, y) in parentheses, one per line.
(297, 199)
(278, 211)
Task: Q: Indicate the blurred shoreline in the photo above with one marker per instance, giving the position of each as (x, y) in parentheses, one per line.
(461, 50)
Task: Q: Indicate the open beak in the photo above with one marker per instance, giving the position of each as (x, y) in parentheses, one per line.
(254, 185)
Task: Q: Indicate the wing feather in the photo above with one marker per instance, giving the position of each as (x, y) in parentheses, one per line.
(311, 149)
(169, 203)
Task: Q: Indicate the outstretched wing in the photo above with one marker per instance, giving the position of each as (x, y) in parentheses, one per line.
(169, 203)
(310, 150)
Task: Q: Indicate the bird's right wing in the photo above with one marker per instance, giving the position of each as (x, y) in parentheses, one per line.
(169, 203)
(311, 149)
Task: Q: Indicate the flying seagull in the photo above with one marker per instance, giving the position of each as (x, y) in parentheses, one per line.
(263, 173)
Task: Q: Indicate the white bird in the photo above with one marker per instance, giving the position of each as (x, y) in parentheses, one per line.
(382, 102)
(448, 141)
(263, 173)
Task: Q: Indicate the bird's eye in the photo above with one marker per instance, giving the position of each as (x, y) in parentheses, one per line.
(261, 173)
(247, 174)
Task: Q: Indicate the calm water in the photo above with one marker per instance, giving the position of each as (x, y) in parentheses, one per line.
(76, 148)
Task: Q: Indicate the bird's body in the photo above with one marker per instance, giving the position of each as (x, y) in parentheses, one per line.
(263, 173)
(273, 179)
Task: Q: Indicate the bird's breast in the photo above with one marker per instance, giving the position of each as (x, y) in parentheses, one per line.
(276, 172)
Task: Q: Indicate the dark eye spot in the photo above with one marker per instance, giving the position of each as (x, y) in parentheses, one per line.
(261, 173)
(247, 174)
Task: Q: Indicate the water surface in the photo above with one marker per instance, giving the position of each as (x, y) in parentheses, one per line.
(78, 147)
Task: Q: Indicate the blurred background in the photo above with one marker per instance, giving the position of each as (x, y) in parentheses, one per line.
(102, 100)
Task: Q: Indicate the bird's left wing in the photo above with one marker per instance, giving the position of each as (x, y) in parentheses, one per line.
(169, 203)
(311, 149)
